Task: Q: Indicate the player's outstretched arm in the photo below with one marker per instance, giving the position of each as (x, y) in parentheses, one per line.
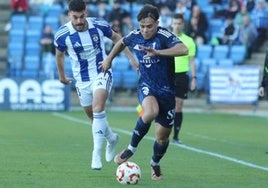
(60, 66)
(115, 38)
(107, 63)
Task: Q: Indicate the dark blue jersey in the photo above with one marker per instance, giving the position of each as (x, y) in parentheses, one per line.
(158, 71)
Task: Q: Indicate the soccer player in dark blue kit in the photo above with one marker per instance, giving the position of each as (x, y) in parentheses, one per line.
(155, 48)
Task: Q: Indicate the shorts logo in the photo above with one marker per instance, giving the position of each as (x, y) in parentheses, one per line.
(171, 114)
(145, 90)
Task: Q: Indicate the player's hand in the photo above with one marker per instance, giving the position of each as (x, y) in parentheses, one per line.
(104, 65)
(150, 51)
(66, 81)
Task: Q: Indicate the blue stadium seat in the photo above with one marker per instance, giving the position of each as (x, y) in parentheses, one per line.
(55, 11)
(135, 10)
(36, 23)
(215, 26)
(208, 10)
(206, 64)
(18, 21)
(53, 22)
(187, 15)
(33, 36)
(125, 6)
(202, 3)
(120, 63)
(15, 49)
(16, 64)
(31, 66)
(263, 21)
(48, 66)
(204, 51)
(220, 52)
(130, 79)
(200, 81)
(238, 53)
(226, 62)
(197, 63)
(16, 35)
(117, 79)
(92, 8)
(33, 48)
(31, 62)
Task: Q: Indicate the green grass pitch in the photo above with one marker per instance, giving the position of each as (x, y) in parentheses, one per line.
(49, 150)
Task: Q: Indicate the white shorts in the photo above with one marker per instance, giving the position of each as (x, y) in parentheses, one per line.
(85, 90)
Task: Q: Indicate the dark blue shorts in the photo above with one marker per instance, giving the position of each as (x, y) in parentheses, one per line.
(166, 103)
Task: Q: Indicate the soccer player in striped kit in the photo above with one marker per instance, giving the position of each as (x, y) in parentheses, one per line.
(82, 38)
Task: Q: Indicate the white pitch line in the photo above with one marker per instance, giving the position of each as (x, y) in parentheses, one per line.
(238, 161)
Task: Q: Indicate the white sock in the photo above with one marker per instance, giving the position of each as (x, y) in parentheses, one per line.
(99, 127)
(110, 136)
(131, 148)
(154, 163)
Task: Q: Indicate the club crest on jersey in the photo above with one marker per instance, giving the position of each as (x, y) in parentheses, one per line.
(95, 38)
(145, 90)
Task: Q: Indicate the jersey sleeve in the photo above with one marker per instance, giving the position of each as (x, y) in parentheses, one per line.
(104, 26)
(59, 39)
(169, 38)
(128, 38)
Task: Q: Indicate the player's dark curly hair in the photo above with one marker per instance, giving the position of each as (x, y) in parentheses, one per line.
(148, 11)
(77, 5)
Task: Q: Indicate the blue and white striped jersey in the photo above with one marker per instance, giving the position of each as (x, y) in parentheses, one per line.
(158, 71)
(85, 49)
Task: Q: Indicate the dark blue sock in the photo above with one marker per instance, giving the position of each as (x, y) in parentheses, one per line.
(140, 131)
(177, 124)
(159, 151)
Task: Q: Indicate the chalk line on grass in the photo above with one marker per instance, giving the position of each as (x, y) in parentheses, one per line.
(217, 155)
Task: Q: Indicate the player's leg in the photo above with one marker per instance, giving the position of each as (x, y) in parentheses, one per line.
(181, 93)
(101, 90)
(164, 122)
(99, 114)
(159, 149)
(98, 138)
(150, 111)
(85, 97)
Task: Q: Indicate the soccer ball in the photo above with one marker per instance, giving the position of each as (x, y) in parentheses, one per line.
(128, 173)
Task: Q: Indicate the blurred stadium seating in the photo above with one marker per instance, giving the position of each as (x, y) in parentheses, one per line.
(26, 59)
